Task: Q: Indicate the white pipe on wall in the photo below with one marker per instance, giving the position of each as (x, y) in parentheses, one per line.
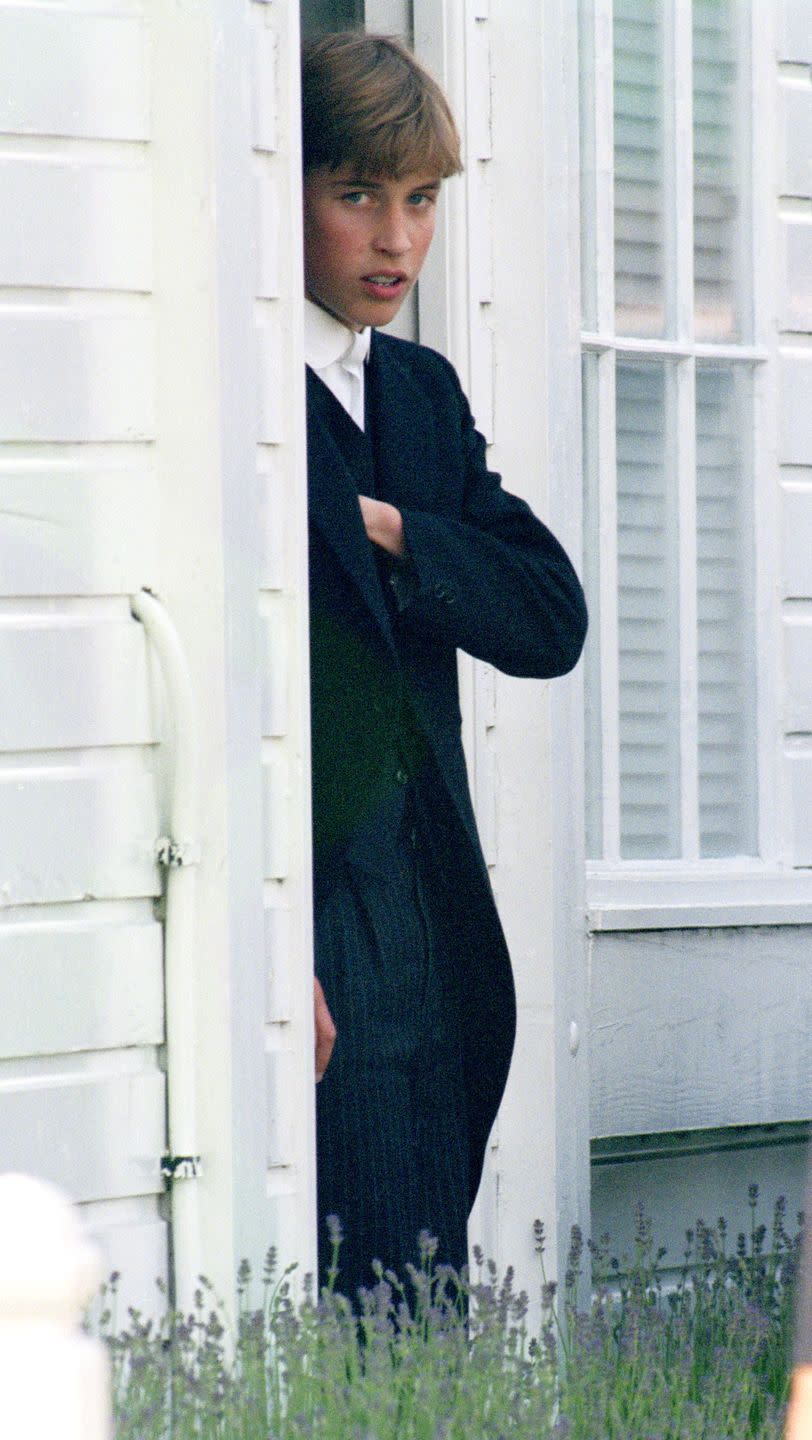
(179, 853)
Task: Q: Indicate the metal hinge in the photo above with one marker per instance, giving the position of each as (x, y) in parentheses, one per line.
(181, 1167)
(172, 854)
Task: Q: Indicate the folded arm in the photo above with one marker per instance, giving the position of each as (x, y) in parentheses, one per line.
(493, 581)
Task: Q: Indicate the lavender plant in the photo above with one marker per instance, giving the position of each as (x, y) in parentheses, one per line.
(440, 1356)
(702, 1358)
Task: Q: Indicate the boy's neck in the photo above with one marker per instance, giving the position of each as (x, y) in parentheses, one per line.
(339, 319)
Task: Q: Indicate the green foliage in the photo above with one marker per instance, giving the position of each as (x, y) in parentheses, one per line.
(703, 1357)
(698, 1354)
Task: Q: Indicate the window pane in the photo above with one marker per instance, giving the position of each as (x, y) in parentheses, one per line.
(591, 578)
(727, 650)
(639, 168)
(718, 169)
(319, 16)
(648, 623)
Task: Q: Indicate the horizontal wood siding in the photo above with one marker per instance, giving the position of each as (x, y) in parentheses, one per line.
(67, 71)
(133, 1241)
(71, 220)
(77, 831)
(75, 373)
(98, 1136)
(77, 524)
(110, 706)
(691, 1029)
(676, 1189)
(82, 1091)
(107, 979)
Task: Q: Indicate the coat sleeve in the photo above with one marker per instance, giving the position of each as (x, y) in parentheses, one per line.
(494, 581)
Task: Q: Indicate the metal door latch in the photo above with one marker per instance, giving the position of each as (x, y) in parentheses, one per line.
(172, 854)
(181, 1167)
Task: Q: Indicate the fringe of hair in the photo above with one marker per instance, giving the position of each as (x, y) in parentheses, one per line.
(368, 103)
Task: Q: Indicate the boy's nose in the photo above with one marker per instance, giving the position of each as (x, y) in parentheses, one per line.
(393, 234)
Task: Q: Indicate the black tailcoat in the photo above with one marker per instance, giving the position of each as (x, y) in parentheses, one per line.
(483, 575)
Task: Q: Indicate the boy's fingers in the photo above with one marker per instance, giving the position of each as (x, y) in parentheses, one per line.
(324, 1027)
(383, 523)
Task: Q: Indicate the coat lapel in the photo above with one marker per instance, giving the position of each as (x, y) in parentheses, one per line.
(405, 458)
(333, 505)
(405, 441)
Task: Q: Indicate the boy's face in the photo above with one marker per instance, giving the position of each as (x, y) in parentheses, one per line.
(366, 238)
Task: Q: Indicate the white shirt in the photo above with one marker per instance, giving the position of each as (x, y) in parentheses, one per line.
(337, 354)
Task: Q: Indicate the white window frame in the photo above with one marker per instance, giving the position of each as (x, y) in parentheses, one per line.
(691, 891)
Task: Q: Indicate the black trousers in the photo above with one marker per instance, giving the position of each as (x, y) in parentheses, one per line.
(390, 1110)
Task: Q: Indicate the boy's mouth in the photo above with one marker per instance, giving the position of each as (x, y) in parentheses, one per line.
(383, 284)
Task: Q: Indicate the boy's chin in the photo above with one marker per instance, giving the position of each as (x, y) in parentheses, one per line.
(373, 313)
(363, 313)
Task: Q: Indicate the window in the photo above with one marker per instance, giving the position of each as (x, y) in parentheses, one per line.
(318, 17)
(670, 373)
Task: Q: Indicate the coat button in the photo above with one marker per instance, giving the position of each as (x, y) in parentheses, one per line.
(401, 776)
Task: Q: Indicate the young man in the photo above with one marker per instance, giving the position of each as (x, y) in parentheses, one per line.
(416, 551)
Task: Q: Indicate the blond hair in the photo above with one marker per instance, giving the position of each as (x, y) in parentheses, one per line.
(368, 103)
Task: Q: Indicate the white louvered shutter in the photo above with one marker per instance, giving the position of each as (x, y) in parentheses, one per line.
(648, 625)
(725, 619)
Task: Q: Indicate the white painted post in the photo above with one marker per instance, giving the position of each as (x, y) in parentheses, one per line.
(54, 1381)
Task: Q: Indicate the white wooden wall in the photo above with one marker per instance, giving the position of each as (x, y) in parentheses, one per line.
(151, 433)
(152, 429)
(81, 1086)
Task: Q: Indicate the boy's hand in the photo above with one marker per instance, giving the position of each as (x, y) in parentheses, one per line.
(325, 1029)
(383, 524)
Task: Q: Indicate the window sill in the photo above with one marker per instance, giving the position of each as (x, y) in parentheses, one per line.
(664, 897)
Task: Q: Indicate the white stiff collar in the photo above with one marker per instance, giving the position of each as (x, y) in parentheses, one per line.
(328, 340)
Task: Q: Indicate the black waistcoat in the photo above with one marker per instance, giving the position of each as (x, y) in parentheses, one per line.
(374, 812)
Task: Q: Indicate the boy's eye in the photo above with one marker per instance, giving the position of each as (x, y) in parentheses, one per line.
(421, 198)
(355, 197)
